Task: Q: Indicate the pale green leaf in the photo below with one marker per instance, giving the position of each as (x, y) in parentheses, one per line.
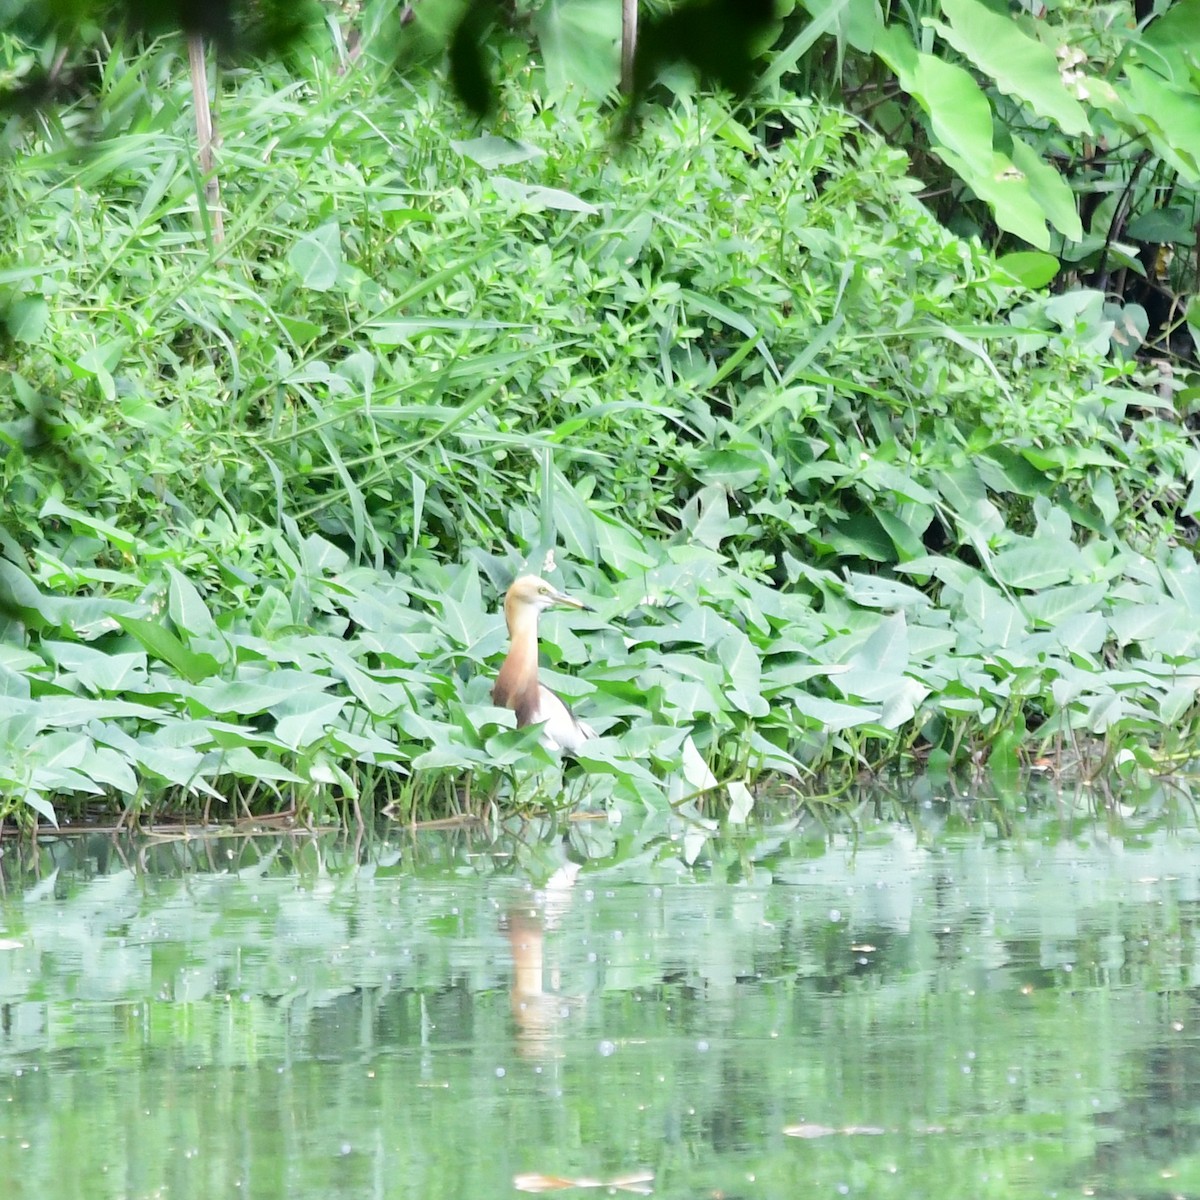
(317, 257)
(1021, 65)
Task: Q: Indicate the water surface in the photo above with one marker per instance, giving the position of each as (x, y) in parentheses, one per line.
(923, 1007)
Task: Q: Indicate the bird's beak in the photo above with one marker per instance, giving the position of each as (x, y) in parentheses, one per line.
(570, 602)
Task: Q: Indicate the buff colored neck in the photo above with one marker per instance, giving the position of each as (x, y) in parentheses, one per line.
(517, 683)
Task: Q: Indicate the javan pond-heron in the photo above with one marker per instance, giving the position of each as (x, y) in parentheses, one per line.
(517, 686)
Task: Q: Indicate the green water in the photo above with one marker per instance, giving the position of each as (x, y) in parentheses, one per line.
(938, 1012)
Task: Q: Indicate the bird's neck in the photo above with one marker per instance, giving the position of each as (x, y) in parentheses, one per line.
(516, 686)
(523, 637)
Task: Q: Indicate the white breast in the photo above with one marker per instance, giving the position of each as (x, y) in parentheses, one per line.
(562, 729)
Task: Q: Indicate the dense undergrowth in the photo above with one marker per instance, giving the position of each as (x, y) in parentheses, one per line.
(841, 494)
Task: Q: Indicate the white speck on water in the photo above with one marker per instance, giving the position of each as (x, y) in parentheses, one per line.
(702, 1046)
(500, 1072)
(835, 915)
(606, 1048)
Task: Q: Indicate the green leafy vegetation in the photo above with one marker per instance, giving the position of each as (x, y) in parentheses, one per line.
(842, 492)
(1069, 127)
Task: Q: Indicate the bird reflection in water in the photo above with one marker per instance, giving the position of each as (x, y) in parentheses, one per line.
(538, 1007)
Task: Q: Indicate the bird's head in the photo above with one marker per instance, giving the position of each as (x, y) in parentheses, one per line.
(533, 592)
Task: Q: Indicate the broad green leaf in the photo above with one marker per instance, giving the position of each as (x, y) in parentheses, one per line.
(1172, 40)
(317, 257)
(187, 610)
(1105, 711)
(40, 805)
(886, 649)
(833, 716)
(26, 319)
(1177, 702)
(1143, 622)
(537, 198)
(580, 42)
(905, 538)
(1048, 189)
(1051, 605)
(1104, 497)
(241, 760)
(453, 758)
(13, 685)
(19, 592)
(81, 520)
(744, 671)
(964, 492)
(1181, 573)
(696, 772)
(299, 329)
(872, 591)
(18, 728)
(305, 719)
(381, 698)
(572, 519)
(269, 691)
(999, 622)
(1021, 65)
(700, 626)
(1007, 191)
(901, 703)
(1030, 268)
(59, 749)
(1083, 633)
(164, 645)
(76, 711)
(178, 765)
(862, 536)
(887, 477)
(1170, 117)
(690, 699)
(96, 671)
(106, 766)
(492, 151)
(272, 614)
(1035, 564)
(511, 746)
(706, 517)
(959, 114)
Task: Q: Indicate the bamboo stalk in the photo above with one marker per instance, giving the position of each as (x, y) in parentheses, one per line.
(629, 17)
(204, 135)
